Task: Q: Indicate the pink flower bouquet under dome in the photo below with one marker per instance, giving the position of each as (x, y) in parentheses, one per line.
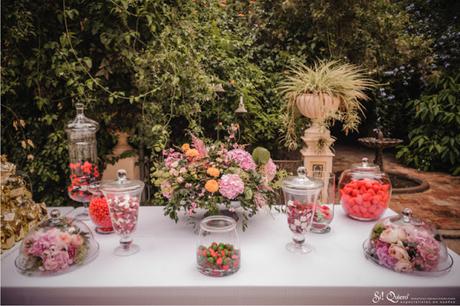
(407, 246)
(55, 246)
(211, 176)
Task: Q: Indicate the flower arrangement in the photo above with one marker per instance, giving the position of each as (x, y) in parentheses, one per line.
(208, 177)
(405, 248)
(83, 174)
(53, 249)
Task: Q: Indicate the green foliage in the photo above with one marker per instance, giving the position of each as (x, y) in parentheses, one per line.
(434, 139)
(151, 67)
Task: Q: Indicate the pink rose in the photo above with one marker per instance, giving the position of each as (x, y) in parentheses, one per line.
(392, 235)
(403, 266)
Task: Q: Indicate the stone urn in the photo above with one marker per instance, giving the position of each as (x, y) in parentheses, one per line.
(316, 153)
(130, 164)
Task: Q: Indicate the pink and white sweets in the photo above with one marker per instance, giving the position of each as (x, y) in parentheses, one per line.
(300, 216)
(123, 211)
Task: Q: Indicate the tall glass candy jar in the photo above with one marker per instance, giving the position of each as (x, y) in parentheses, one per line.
(84, 172)
(123, 197)
(301, 197)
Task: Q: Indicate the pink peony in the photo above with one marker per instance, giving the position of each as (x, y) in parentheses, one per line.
(268, 170)
(231, 186)
(260, 199)
(56, 261)
(242, 158)
(42, 243)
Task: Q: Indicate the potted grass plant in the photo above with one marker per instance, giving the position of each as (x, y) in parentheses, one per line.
(325, 92)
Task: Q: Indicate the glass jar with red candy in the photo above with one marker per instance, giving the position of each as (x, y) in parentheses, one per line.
(99, 213)
(365, 191)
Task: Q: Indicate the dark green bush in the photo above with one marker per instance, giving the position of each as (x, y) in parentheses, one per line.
(150, 67)
(434, 137)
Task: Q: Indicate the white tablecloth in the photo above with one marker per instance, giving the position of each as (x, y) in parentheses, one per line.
(164, 272)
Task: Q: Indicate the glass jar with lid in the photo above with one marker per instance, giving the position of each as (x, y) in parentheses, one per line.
(123, 197)
(84, 171)
(55, 246)
(218, 252)
(365, 191)
(404, 243)
(301, 197)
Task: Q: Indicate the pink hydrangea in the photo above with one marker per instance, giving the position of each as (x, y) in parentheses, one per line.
(268, 170)
(231, 186)
(382, 253)
(242, 158)
(172, 159)
(260, 199)
(427, 257)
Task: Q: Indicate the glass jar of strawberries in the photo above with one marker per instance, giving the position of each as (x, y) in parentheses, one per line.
(365, 191)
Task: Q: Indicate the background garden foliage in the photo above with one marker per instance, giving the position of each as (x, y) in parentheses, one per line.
(150, 67)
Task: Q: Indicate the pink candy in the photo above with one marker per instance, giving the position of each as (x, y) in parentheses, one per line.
(299, 216)
(123, 211)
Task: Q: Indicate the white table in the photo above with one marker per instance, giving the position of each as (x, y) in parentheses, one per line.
(163, 272)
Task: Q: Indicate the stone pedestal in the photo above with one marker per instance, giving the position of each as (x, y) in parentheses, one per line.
(130, 164)
(317, 155)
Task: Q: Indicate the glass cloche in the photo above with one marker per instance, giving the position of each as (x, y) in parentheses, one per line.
(57, 245)
(365, 191)
(407, 244)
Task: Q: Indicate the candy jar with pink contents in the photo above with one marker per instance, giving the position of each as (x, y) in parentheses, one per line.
(301, 196)
(365, 191)
(123, 198)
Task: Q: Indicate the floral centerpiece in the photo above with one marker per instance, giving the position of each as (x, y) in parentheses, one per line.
(406, 248)
(216, 176)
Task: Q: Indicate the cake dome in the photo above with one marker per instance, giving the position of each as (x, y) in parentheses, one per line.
(55, 246)
(406, 244)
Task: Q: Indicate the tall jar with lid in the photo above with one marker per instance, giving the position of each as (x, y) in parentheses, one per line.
(218, 252)
(84, 172)
(365, 191)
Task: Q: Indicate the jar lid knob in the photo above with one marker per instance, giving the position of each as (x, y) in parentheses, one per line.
(407, 214)
(122, 176)
(302, 172)
(80, 108)
(55, 213)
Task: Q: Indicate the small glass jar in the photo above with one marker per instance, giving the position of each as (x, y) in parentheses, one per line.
(99, 213)
(365, 191)
(81, 134)
(123, 197)
(218, 252)
(301, 198)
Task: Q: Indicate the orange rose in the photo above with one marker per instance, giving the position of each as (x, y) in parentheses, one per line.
(214, 172)
(211, 186)
(185, 147)
(192, 153)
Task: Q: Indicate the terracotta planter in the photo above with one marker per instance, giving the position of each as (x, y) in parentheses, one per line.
(317, 107)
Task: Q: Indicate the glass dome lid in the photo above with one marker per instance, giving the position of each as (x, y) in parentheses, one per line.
(57, 245)
(81, 122)
(406, 244)
(301, 182)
